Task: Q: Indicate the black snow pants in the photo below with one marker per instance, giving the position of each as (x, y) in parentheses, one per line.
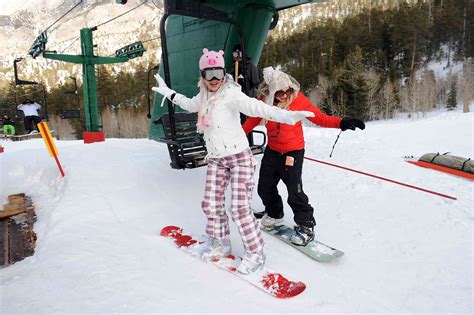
(31, 122)
(272, 170)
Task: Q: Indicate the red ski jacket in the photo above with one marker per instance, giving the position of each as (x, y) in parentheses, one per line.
(284, 138)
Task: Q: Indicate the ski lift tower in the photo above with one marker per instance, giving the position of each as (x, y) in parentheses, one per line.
(88, 60)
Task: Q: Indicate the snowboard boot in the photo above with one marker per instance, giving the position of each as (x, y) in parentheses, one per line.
(218, 247)
(303, 235)
(269, 222)
(259, 215)
(251, 262)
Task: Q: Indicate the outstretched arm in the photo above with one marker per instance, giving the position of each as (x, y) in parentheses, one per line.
(320, 118)
(255, 108)
(189, 104)
(327, 121)
(251, 123)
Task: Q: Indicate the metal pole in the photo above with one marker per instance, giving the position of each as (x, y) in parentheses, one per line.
(91, 107)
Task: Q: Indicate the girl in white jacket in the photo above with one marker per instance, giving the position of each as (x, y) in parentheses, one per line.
(219, 104)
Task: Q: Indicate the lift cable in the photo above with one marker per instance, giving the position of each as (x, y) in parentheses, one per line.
(39, 45)
(69, 46)
(65, 49)
(63, 15)
(149, 40)
(155, 4)
(120, 15)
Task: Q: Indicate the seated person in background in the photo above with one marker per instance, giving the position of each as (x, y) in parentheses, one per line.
(32, 118)
(251, 72)
(8, 128)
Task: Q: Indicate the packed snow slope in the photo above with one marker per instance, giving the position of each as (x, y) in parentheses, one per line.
(99, 249)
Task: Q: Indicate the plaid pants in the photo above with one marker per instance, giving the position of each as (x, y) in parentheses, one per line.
(239, 170)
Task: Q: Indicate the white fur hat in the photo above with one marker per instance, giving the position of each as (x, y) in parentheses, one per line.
(277, 80)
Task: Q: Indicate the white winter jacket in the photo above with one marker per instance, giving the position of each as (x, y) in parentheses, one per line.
(29, 109)
(225, 135)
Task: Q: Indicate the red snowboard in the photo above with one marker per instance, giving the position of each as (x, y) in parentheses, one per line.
(266, 280)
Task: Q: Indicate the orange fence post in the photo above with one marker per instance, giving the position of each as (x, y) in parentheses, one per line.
(48, 141)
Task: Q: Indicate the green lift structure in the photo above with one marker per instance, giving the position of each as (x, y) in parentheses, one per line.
(88, 60)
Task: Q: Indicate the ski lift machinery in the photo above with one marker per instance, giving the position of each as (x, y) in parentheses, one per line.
(71, 97)
(34, 90)
(88, 59)
(188, 26)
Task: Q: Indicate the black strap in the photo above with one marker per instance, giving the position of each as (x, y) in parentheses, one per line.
(434, 157)
(464, 164)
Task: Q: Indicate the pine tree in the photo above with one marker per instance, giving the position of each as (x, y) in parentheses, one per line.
(452, 95)
(106, 89)
(351, 89)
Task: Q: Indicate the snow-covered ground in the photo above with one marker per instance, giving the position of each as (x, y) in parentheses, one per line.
(99, 249)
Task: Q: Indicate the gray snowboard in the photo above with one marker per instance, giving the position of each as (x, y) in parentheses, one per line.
(315, 250)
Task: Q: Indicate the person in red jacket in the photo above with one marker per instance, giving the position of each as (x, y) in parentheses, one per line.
(284, 154)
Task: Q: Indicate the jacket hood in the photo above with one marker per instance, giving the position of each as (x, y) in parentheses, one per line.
(278, 80)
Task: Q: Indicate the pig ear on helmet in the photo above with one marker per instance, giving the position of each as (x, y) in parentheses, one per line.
(205, 50)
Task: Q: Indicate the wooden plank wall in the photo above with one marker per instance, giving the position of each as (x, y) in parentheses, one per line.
(17, 238)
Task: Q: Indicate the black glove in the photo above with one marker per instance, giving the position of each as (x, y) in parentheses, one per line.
(351, 123)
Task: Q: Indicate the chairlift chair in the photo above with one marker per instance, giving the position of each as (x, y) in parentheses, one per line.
(186, 147)
(71, 113)
(29, 89)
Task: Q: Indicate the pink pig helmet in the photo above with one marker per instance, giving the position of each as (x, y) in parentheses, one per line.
(211, 59)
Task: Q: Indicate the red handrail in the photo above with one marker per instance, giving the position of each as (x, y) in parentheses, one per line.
(383, 178)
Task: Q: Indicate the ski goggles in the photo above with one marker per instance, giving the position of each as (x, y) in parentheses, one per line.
(281, 93)
(237, 54)
(210, 74)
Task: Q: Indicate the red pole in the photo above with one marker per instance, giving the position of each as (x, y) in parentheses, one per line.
(49, 143)
(383, 178)
(59, 165)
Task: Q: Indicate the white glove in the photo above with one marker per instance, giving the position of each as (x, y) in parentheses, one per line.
(162, 88)
(295, 116)
(289, 117)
